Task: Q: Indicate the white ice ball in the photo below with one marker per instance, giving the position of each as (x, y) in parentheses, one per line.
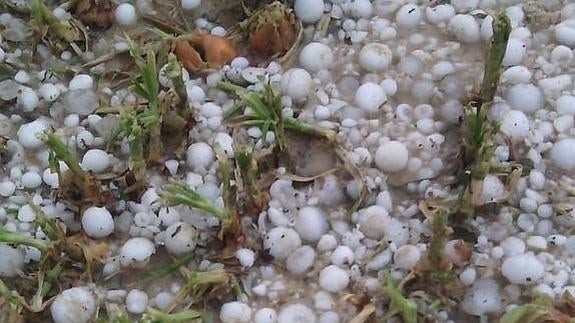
(565, 33)
(300, 260)
(372, 221)
(523, 269)
(408, 16)
(333, 279)
(375, 57)
(311, 223)
(308, 11)
(281, 241)
(563, 154)
(315, 57)
(296, 83)
(515, 124)
(246, 257)
(266, 315)
(565, 105)
(136, 301)
(514, 53)
(136, 252)
(235, 312)
(200, 155)
(125, 14)
(74, 305)
(96, 160)
(81, 82)
(27, 99)
(12, 260)
(465, 28)
(370, 97)
(29, 134)
(392, 156)
(483, 297)
(180, 238)
(296, 313)
(190, 4)
(524, 97)
(97, 222)
(406, 257)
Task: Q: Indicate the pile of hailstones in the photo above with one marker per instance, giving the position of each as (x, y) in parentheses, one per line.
(391, 50)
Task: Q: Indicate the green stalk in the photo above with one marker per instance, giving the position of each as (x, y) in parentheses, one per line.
(304, 127)
(63, 153)
(180, 193)
(407, 308)
(155, 316)
(501, 30)
(170, 268)
(20, 239)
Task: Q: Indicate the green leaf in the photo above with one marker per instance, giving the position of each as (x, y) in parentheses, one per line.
(407, 308)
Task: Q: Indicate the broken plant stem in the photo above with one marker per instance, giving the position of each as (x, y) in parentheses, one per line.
(20, 239)
(195, 280)
(436, 246)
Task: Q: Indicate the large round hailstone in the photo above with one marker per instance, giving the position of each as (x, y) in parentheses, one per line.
(515, 124)
(514, 53)
(372, 221)
(180, 238)
(97, 222)
(12, 260)
(29, 134)
(235, 312)
(465, 28)
(395, 231)
(311, 223)
(308, 11)
(375, 57)
(406, 257)
(565, 33)
(333, 279)
(74, 305)
(300, 260)
(484, 297)
(200, 156)
(369, 97)
(296, 313)
(563, 154)
(408, 16)
(524, 97)
(523, 269)
(96, 160)
(392, 157)
(565, 105)
(136, 252)
(190, 4)
(315, 57)
(281, 241)
(296, 83)
(125, 14)
(492, 188)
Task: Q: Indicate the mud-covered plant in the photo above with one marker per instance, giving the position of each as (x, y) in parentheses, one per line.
(197, 285)
(265, 112)
(248, 170)
(54, 31)
(77, 187)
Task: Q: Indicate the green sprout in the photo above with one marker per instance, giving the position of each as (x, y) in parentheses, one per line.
(67, 31)
(266, 114)
(179, 193)
(405, 307)
(141, 127)
(59, 151)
